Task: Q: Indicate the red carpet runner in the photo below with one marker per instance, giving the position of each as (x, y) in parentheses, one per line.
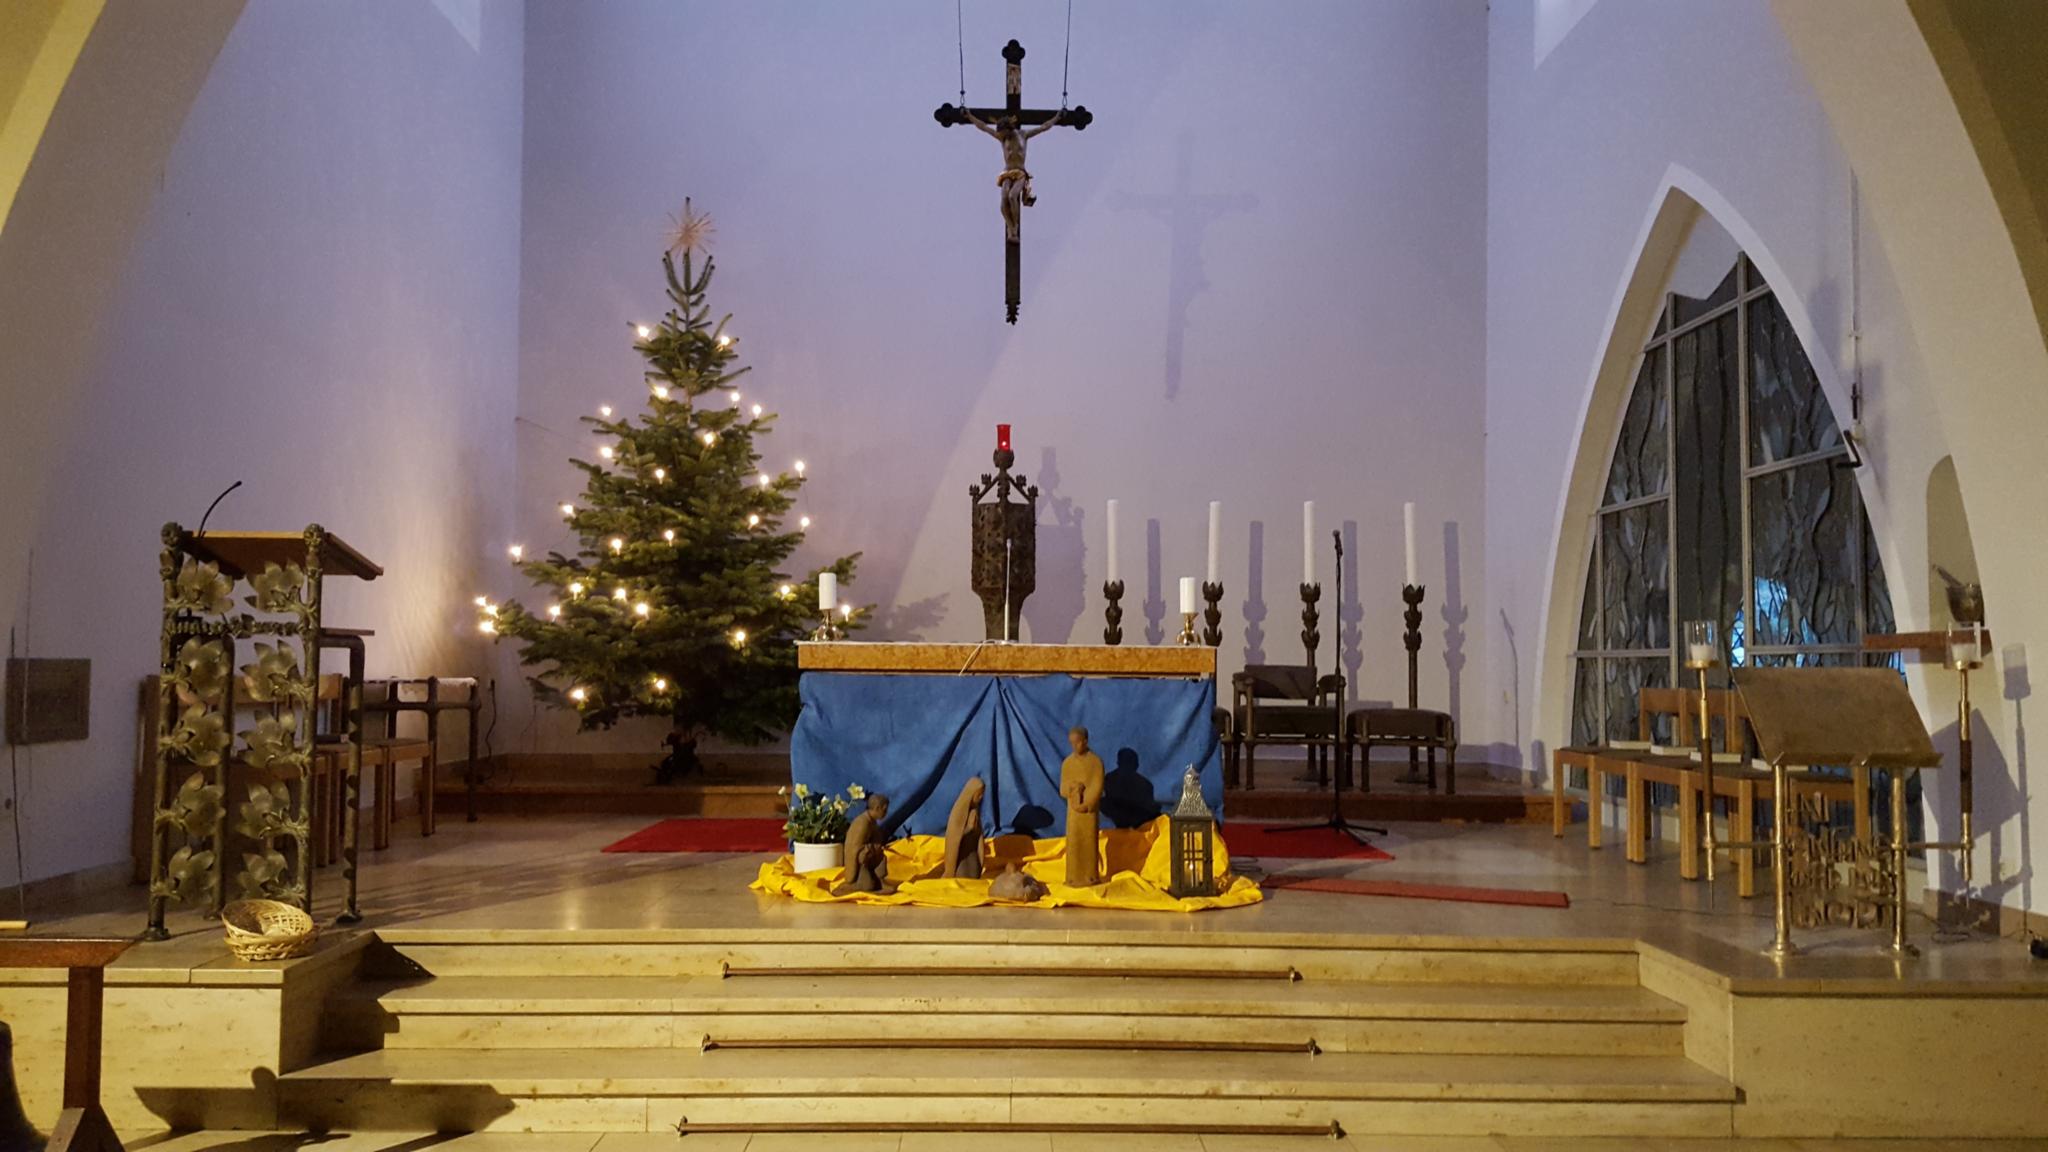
(707, 834)
(764, 834)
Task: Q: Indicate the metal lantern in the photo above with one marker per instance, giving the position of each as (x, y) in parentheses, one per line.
(1191, 831)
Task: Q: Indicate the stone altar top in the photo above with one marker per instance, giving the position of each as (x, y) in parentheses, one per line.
(1191, 661)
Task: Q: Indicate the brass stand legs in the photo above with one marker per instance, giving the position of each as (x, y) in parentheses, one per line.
(1781, 825)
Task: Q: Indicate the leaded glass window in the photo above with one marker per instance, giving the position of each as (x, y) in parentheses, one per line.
(1729, 497)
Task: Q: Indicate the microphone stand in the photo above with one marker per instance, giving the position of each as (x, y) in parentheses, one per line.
(1335, 821)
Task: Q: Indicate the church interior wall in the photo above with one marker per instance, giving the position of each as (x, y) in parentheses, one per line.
(317, 296)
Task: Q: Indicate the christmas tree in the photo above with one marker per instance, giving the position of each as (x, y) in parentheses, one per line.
(675, 604)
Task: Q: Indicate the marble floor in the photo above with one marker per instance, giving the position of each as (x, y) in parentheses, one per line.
(1005, 1142)
(525, 873)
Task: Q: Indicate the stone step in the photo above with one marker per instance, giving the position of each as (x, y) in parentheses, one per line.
(656, 1088)
(1580, 963)
(1337, 1016)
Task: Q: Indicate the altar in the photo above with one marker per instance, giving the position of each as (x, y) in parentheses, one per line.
(915, 721)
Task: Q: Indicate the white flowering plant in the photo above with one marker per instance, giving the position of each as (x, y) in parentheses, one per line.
(816, 818)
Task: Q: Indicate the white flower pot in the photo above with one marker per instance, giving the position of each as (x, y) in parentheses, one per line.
(816, 857)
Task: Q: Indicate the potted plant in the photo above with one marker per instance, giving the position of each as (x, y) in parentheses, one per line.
(817, 826)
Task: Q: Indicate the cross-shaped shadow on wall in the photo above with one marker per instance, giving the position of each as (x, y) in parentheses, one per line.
(1187, 215)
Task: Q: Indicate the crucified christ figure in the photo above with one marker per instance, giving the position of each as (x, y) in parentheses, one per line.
(1015, 182)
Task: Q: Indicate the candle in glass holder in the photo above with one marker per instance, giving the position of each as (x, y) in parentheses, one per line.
(1002, 437)
(828, 591)
(1965, 645)
(1189, 596)
(1702, 647)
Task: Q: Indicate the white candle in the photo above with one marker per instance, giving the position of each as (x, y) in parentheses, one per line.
(1112, 542)
(1215, 540)
(1700, 653)
(1308, 542)
(828, 591)
(1408, 532)
(1188, 596)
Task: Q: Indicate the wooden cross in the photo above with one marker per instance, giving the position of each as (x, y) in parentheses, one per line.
(1013, 125)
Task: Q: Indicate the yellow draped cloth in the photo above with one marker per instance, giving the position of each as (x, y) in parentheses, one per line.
(1134, 861)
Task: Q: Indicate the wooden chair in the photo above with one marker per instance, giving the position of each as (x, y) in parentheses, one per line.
(1403, 728)
(385, 751)
(1286, 704)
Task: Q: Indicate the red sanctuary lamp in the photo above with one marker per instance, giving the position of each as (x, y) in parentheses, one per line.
(1002, 437)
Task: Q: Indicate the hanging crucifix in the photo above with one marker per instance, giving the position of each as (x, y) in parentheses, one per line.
(1013, 125)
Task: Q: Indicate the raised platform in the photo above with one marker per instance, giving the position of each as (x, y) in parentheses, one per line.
(513, 978)
(746, 784)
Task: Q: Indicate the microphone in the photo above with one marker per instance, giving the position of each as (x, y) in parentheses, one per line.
(216, 503)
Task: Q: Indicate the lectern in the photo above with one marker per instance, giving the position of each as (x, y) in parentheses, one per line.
(203, 687)
(1854, 717)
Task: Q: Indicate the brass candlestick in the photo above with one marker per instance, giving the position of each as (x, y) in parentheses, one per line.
(1965, 655)
(1212, 616)
(827, 630)
(1703, 655)
(1187, 629)
(1113, 613)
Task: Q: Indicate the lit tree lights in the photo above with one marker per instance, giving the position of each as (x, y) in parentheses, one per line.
(683, 525)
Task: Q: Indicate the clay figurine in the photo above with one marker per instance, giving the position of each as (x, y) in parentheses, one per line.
(1015, 885)
(1081, 784)
(963, 834)
(866, 866)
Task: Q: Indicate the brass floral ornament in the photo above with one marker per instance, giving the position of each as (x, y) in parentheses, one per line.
(199, 735)
(202, 666)
(264, 817)
(273, 677)
(279, 589)
(199, 587)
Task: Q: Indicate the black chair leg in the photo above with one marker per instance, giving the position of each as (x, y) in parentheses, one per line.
(1432, 769)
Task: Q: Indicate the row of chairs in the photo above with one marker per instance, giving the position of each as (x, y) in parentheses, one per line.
(1289, 705)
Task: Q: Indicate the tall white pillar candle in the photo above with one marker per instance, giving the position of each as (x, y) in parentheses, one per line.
(1188, 596)
(828, 591)
(1110, 522)
(1215, 541)
(1408, 533)
(1308, 542)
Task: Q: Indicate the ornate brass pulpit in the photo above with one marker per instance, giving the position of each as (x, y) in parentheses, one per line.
(1853, 717)
(200, 737)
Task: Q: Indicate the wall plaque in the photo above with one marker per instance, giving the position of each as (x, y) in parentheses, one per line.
(47, 700)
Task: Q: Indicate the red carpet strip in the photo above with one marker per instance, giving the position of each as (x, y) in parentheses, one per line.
(1520, 897)
(1269, 841)
(707, 834)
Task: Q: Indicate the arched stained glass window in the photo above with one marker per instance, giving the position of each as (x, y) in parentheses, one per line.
(1730, 497)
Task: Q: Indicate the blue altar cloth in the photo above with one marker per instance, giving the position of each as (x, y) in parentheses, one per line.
(918, 738)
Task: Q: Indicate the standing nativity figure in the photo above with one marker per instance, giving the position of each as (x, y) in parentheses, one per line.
(963, 834)
(866, 863)
(1081, 785)
(1015, 181)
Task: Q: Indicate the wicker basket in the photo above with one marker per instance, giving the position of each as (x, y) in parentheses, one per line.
(267, 930)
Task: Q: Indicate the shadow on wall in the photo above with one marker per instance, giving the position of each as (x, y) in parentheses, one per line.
(1062, 592)
(1351, 628)
(1187, 215)
(2013, 658)
(1454, 614)
(1155, 605)
(1255, 597)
